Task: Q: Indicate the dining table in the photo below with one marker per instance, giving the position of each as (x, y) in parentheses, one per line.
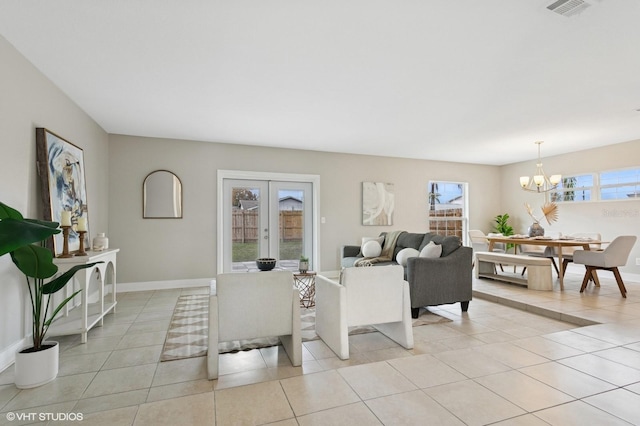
(558, 243)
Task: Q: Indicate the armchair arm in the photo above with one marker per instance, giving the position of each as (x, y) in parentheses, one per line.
(331, 307)
(349, 251)
(442, 280)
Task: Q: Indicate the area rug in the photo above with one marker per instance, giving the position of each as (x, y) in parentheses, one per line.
(188, 331)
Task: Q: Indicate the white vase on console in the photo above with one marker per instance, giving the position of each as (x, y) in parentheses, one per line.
(100, 242)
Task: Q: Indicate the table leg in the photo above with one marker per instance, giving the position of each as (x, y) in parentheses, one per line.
(560, 269)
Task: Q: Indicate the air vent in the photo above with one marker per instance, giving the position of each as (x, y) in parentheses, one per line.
(568, 7)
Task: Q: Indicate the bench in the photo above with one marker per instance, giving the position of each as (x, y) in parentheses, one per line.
(538, 269)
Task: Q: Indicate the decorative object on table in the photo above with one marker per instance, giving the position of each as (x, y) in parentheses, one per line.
(62, 178)
(540, 182)
(100, 242)
(161, 196)
(266, 263)
(38, 364)
(550, 213)
(303, 264)
(378, 203)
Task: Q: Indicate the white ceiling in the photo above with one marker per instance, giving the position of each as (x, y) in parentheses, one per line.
(466, 80)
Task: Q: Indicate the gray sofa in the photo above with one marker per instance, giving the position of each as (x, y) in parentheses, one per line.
(432, 282)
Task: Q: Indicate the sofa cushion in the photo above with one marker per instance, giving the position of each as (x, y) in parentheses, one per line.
(404, 255)
(431, 250)
(407, 240)
(449, 243)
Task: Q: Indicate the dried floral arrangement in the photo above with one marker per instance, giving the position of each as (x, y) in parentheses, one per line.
(549, 212)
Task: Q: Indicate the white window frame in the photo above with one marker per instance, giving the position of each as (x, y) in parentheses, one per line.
(618, 185)
(465, 207)
(594, 189)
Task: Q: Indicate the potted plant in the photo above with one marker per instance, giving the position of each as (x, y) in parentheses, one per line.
(303, 264)
(23, 239)
(502, 227)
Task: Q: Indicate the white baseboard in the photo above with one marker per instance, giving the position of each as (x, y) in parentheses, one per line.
(8, 355)
(163, 285)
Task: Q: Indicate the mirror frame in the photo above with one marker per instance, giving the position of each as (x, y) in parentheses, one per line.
(145, 214)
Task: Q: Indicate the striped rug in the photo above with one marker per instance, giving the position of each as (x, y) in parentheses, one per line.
(188, 332)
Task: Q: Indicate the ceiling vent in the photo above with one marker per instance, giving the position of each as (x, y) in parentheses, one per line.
(568, 7)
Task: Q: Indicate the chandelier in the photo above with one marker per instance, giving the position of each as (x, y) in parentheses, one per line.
(540, 181)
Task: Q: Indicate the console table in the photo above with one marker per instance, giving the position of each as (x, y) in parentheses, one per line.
(83, 317)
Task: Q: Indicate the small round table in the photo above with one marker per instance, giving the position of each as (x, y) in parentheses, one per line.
(305, 282)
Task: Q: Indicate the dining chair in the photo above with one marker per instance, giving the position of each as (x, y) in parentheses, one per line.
(616, 254)
(567, 252)
(479, 242)
(540, 251)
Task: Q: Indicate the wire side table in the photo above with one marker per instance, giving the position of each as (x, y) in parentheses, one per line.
(305, 282)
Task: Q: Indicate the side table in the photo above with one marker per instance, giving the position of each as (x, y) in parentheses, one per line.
(305, 282)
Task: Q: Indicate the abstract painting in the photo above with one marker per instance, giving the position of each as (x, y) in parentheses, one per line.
(61, 169)
(378, 203)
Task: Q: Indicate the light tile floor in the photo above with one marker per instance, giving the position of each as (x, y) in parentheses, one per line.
(501, 363)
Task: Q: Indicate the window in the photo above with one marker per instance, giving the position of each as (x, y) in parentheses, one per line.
(574, 188)
(448, 208)
(620, 184)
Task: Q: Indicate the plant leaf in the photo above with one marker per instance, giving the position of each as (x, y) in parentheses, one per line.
(34, 261)
(15, 233)
(58, 283)
(48, 322)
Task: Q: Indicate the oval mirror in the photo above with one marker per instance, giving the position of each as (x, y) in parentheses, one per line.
(162, 195)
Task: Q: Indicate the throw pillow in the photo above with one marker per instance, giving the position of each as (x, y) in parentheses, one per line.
(404, 255)
(365, 240)
(431, 250)
(371, 249)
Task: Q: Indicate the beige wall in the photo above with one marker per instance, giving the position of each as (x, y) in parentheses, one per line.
(610, 218)
(29, 100)
(168, 249)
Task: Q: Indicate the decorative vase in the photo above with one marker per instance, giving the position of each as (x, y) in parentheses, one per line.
(34, 369)
(100, 242)
(535, 230)
(303, 266)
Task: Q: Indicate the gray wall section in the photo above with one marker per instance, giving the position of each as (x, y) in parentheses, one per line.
(30, 100)
(175, 249)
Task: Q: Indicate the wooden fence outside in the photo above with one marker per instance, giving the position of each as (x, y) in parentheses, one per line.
(245, 226)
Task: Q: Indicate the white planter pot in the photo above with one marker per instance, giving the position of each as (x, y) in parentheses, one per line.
(37, 368)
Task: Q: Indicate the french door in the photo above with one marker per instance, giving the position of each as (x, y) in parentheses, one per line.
(264, 217)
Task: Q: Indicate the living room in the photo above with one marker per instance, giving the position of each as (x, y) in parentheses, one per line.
(157, 251)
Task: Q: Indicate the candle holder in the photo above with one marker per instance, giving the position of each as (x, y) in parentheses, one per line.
(65, 242)
(81, 251)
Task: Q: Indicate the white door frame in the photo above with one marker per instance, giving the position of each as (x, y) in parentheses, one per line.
(285, 177)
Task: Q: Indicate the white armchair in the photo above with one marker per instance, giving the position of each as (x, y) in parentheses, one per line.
(251, 305)
(377, 296)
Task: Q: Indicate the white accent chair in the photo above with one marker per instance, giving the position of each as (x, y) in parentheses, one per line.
(377, 296)
(250, 305)
(616, 254)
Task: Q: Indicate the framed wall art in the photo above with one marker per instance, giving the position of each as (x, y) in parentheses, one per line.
(62, 178)
(378, 203)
